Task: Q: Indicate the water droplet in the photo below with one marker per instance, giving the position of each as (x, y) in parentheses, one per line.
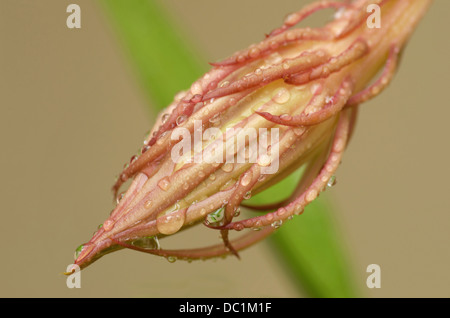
(164, 118)
(232, 101)
(238, 227)
(164, 183)
(276, 224)
(181, 120)
(248, 195)
(149, 242)
(285, 66)
(196, 89)
(254, 52)
(311, 195)
(78, 251)
(99, 226)
(120, 197)
(237, 212)
(258, 71)
(257, 229)
(331, 182)
(225, 84)
(148, 204)
(108, 224)
(286, 117)
(170, 223)
(228, 167)
(145, 149)
(215, 119)
(160, 140)
(264, 160)
(262, 177)
(246, 179)
(282, 96)
(133, 159)
(171, 259)
(216, 216)
(299, 131)
(212, 176)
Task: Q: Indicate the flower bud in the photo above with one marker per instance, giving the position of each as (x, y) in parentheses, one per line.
(287, 102)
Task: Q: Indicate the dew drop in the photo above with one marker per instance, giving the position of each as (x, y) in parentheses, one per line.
(248, 195)
(215, 119)
(228, 167)
(331, 182)
(181, 120)
(299, 131)
(276, 224)
(254, 52)
(171, 259)
(282, 96)
(149, 242)
(225, 84)
(148, 204)
(311, 195)
(145, 149)
(264, 160)
(246, 180)
(216, 216)
(286, 117)
(120, 197)
(212, 177)
(196, 89)
(133, 159)
(164, 183)
(237, 212)
(107, 225)
(170, 223)
(164, 118)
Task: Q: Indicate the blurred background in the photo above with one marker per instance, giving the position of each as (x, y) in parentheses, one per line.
(73, 111)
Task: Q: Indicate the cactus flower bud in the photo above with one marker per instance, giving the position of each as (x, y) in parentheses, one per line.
(287, 102)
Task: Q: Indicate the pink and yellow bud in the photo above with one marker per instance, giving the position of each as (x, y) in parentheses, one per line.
(287, 102)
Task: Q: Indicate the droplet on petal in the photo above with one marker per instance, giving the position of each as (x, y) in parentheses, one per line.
(149, 242)
(164, 183)
(282, 96)
(170, 223)
(332, 181)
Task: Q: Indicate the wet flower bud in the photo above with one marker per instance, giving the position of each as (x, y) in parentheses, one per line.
(287, 102)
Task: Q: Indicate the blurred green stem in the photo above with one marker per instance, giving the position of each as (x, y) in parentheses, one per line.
(307, 245)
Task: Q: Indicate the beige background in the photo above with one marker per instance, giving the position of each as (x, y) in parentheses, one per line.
(72, 113)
